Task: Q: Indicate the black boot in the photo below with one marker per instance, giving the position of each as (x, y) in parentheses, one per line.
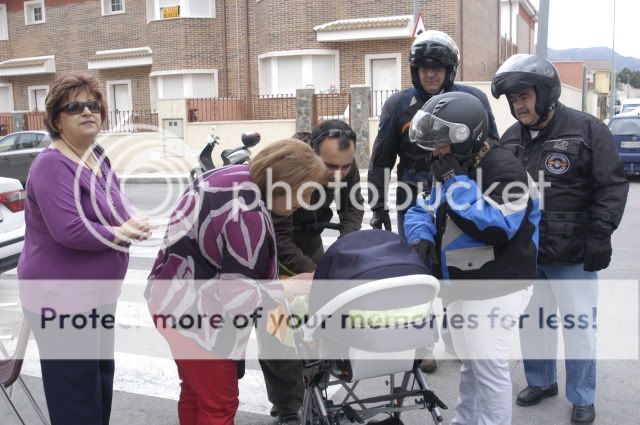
(583, 414)
(531, 396)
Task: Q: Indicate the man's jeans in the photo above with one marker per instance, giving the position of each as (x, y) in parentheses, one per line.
(578, 297)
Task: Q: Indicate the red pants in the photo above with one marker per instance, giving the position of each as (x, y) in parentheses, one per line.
(209, 387)
(209, 392)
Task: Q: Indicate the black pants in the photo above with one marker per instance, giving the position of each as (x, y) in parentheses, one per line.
(283, 378)
(78, 387)
(285, 388)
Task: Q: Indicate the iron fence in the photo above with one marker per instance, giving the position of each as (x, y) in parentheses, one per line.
(378, 98)
(328, 106)
(134, 121)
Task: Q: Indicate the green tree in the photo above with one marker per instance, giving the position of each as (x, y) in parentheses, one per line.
(628, 76)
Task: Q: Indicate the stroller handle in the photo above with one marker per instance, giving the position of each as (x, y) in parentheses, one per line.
(367, 289)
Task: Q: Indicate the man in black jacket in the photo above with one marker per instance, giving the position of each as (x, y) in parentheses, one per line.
(434, 64)
(584, 196)
(299, 243)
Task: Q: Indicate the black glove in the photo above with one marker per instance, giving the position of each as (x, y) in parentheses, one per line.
(426, 251)
(597, 251)
(381, 218)
(445, 167)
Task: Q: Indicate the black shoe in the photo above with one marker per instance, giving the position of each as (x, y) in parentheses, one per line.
(292, 419)
(583, 414)
(531, 396)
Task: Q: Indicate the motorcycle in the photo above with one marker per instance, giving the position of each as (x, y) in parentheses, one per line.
(239, 155)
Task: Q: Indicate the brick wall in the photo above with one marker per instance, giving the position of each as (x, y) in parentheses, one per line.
(74, 30)
(479, 40)
(243, 29)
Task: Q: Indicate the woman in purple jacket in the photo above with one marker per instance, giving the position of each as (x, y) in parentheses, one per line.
(75, 257)
(219, 260)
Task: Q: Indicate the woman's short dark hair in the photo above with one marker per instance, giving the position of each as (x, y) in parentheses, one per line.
(66, 87)
(325, 129)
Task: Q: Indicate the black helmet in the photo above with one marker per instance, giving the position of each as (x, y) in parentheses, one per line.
(434, 49)
(455, 118)
(521, 72)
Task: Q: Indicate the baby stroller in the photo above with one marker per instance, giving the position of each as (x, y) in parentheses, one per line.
(370, 277)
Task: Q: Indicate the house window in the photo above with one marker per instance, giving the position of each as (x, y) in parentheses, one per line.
(4, 27)
(185, 84)
(282, 73)
(171, 9)
(172, 87)
(113, 7)
(37, 96)
(34, 12)
(117, 6)
(6, 98)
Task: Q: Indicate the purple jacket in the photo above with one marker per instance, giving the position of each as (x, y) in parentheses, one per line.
(68, 217)
(219, 243)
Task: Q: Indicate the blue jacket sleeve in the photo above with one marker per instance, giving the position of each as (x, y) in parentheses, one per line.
(418, 223)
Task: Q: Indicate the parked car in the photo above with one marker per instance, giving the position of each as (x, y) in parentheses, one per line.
(18, 150)
(12, 198)
(625, 128)
(629, 104)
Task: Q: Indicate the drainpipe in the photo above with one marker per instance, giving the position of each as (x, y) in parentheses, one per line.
(246, 9)
(225, 47)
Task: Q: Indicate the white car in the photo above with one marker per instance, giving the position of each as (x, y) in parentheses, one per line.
(12, 200)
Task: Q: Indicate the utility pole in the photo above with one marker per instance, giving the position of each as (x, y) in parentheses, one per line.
(613, 63)
(543, 29)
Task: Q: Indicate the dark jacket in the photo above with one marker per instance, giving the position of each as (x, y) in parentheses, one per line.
(577, 155)
(300, 230)
(480, 230)
(392, 140)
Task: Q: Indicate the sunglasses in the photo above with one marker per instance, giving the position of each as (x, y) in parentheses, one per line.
(334, 133)
(75, 108)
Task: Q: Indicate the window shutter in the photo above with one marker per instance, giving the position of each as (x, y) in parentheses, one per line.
(289, 74)
(202, 85)
(172, 87)
(323, 77)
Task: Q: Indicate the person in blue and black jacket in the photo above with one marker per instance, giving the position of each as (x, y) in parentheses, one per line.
(479, 228)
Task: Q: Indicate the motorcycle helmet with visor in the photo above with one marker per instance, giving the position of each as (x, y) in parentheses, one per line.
(455, 118)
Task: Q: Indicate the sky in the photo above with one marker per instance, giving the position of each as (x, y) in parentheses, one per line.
(589, 23)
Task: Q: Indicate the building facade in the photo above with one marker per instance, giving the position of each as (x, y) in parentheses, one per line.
(148, 50)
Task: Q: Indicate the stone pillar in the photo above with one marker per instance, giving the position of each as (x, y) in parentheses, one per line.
(304, 109)
(19, 121)
(359, 109)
